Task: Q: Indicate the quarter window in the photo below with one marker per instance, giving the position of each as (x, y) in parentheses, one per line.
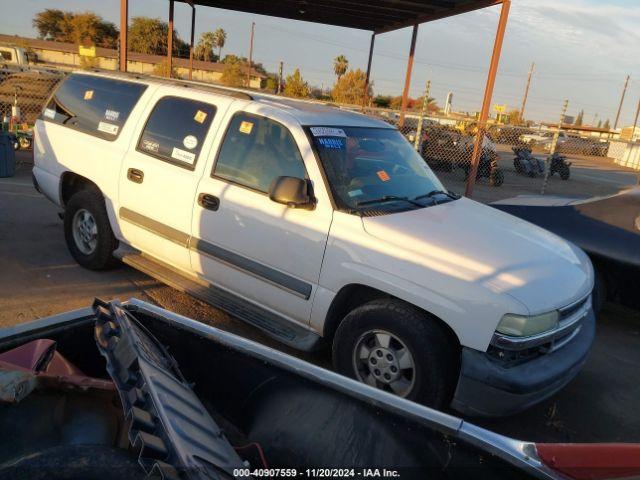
(98, 106)
(176, 130)
(257, 150)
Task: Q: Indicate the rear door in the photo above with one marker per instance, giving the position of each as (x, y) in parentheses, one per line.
(161, 170)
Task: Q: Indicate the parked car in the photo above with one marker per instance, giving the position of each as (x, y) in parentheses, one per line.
(607, 228)
(95, 394)
(321, 227)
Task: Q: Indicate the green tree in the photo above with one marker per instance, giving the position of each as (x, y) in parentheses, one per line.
(48, 22)
(295, 86)
(340, 65)
(233, 75)
(579, 119)
(85, 28)
(219, 39)
(514, 117)
(204, 47)
(607, 125)
(382, 101)
(350, 88)
(149, 35)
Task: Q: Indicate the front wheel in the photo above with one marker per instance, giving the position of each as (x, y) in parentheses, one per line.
(88, 232)
(565, 172)
(394, 347)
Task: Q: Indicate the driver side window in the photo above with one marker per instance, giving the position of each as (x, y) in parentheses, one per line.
(255, 151)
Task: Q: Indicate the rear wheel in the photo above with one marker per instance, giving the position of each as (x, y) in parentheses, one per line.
(392, 346)
(87, 230)
(496, 177)
(565, 172)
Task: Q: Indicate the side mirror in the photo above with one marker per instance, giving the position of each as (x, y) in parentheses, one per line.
(292, 192)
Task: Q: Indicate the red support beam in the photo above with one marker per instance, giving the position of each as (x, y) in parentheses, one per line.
(124, 29)
(407, 78)
(193, 27)
(367, 81)
(170, 41)
(488, 95)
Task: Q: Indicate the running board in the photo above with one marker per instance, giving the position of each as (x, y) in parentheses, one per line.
(272, 324)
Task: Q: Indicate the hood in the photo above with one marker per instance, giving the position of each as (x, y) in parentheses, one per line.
(479, 244)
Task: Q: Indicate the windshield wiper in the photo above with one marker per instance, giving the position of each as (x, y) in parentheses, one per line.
(389, 198)
(433, 193)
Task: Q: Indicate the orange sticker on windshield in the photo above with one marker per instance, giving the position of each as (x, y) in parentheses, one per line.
(88, 94)
(200, 116)
(384, 176)
(246, 127)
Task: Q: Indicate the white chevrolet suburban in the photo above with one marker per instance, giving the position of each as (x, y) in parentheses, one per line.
(321, 227)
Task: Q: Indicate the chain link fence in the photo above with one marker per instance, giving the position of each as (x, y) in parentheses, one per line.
(517, 160)
(23, 94)
(511, 160)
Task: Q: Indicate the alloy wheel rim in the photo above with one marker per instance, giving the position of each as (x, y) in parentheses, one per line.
(85, 231)
(382, 360)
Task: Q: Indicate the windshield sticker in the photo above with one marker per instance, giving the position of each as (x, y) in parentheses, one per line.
(327, 132)
(183, 156)
(109, 128)
(88, 94)
(246, 127)
(355, 193)
(49, 113)
(200, 116)
(111, 115)
(384, 176)
(334, 143)
(150, 146)
(190, 142)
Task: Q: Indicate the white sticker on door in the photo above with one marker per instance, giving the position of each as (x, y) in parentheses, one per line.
(190, 142)
(109, 128)
(183, 156)
(327, 132)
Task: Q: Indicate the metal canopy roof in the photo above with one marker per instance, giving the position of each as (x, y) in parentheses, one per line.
(378, 16)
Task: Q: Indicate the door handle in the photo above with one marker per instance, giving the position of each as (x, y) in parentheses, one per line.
(208, 201)
(135, 175)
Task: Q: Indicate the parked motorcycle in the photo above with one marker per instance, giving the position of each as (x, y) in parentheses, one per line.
(560, 165)
(526, 164)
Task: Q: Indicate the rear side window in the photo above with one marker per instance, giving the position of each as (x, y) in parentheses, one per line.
(256, 151)
(176, 130)
(94, 105)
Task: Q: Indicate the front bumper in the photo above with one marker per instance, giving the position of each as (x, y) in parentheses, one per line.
(488, 388)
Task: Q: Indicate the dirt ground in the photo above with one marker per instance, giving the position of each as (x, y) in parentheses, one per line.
(38, 277)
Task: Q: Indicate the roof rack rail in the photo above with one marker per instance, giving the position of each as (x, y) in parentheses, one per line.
(230, 92)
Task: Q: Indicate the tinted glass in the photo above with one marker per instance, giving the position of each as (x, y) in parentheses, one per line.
(176, 130)
(374, 169)
(6, 56)
(256, 151)
(95, 105)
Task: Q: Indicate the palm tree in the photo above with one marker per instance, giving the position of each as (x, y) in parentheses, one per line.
(220, 37)
(204, 49)
(340, 65)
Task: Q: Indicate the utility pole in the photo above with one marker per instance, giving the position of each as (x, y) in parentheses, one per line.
(554, 145)
(425, 107)
(635, 122)
(253, 26)
(279, 90)
(526, 92)
(624, 92)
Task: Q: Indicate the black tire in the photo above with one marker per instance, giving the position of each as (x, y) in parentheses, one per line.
(565, 172)
(101, 258)
(517, 164)
(435, 354)
(496, 177)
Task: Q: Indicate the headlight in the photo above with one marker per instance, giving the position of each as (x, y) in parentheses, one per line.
(525, 326)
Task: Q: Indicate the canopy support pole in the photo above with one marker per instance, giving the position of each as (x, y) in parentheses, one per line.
(193, 27)
(367, 80)
(124, 29)
(170, 41)
(407, 78)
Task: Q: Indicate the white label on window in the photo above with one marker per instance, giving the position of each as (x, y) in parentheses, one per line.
(109, 128)
(112, 115)
(183, 156)
(327, 132)
(190, 142)
(355, 193)
(49, 113)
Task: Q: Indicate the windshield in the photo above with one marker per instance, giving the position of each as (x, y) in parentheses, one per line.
(375, 169)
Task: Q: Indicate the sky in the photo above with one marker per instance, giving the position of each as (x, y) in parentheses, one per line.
(583, 50)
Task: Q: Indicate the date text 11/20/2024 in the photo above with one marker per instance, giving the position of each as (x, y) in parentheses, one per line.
(318, 472)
